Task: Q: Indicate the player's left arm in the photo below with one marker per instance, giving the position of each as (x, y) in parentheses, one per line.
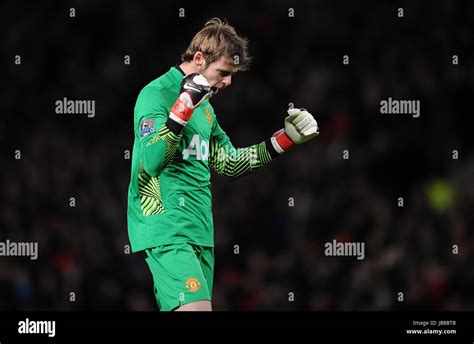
(300, 126)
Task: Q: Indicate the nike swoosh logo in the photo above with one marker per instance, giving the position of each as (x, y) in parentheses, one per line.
(187, 87)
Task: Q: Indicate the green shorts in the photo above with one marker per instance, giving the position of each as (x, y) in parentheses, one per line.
(182, 273)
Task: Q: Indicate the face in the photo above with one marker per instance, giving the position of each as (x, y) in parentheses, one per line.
(218, 74)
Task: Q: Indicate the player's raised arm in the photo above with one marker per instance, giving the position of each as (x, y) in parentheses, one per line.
(300, 126)
(160, 134)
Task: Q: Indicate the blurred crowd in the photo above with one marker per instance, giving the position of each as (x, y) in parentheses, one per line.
(401, 185)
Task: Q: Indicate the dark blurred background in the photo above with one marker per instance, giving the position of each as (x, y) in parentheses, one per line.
(281, 264)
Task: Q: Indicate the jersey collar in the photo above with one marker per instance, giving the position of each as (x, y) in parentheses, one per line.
(179, 69)
(177, 74)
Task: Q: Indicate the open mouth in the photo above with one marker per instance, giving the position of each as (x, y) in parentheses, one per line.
(214, 90)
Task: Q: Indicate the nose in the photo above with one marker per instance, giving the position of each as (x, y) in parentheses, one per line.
(227, 81)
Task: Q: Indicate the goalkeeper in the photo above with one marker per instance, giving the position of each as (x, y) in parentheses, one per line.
(177, 139)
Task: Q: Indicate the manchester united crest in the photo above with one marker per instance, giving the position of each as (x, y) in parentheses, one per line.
(193, 284)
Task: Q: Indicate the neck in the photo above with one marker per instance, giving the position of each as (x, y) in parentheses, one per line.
(187, 68)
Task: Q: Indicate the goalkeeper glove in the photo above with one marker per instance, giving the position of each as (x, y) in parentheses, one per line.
(194, 91)
(300, 126)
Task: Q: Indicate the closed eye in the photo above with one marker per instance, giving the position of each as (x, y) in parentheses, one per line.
(223, 73)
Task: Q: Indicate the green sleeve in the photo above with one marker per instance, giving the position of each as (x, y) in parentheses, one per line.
(225, 159)
(158, 137)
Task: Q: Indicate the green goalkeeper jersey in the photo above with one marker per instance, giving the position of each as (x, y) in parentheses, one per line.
(169, 197)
